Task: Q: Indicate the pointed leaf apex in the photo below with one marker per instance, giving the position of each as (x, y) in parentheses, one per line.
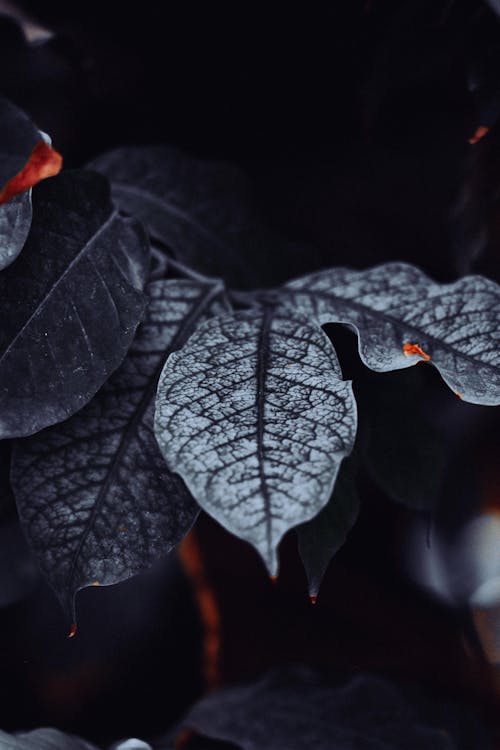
(72, 630)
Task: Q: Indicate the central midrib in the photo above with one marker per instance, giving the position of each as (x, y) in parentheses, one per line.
(197, 309)
(261, 373)
(389, 319)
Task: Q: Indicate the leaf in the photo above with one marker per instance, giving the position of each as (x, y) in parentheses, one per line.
(70, 303)
(294, 709)
(94, 494)
(15, 222)
(18, 138)
(253, 414)
(406, 457)
(203, 211)
(402, 317)
(43, 739)
(322, 536)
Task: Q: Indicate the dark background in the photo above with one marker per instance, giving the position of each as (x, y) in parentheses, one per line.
(353, 122)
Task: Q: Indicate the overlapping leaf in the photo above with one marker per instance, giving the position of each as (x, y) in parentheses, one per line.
(322, 536)
(402, 317)
(96, 499)
(254, 415)
(70, 303)
(203, 211)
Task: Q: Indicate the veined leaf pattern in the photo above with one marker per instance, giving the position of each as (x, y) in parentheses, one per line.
(70, 304)
(96, 499)
(254, 415)
(15, 222)
(403, 317)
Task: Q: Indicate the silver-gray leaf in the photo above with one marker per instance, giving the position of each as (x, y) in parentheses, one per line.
(254, 415)
(96, 499)
(403, 317)
(15, 222)
(43, 739)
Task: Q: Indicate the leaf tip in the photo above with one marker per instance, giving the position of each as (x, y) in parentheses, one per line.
(415, 350)
(273, 579)
(72, 630)
(95, 583)
(459, 395)
(313, 598)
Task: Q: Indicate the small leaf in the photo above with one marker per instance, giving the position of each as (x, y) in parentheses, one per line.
(15, 222)
(402, 317)
(322, 536)
(24, 156)
(254, 415)
(70, 303)
(203, 211)
(96, 499)
(43, 739)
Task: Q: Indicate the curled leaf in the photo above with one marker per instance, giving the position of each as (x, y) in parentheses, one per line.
(402, 317)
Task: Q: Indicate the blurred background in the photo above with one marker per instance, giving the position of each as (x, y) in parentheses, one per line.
(369, 130)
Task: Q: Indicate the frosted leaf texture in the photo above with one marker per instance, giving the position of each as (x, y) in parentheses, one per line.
(254, 415)
(395, 305)
(43, 739)
(96, 499)
(70, 304)
(15, 221)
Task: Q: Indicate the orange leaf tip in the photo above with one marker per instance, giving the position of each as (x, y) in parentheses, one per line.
(412, 349)
(44, 162)
(72, 631)
(313, 598)
(479, 133)
(96, 583)
(459, 395)
(273, 579)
